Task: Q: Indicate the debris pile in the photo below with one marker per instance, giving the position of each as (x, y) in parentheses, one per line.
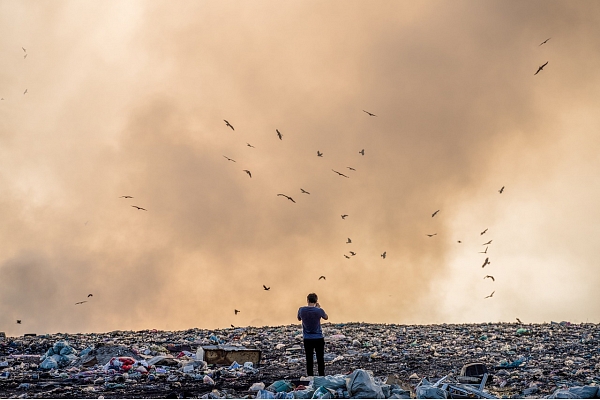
(556, 360)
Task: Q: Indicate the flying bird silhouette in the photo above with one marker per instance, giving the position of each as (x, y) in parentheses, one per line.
(362, 152)
(489, 276)
(370, 114)
(286, 196)
(349, 241)
(90, 295)
(249, 145)
(322, 277)
(486, 262)
(339, 173)
(484, 252)
(279, 135)
(229, 159)
(18, 321)
(248, 172)
(228, 124)
(319, 154)
(351, 169)
(352, 253)
(518, 320)
(140, 208)
(490, 295)
(459, 241)
(344, 216)
(236, 311)
(433, 215)
(486, 229)
(545, 41)
(126, 197)
(25, 56)
(433, 234)
(81, 302)
(383, 254)
(485, 244)
(304, 191)
(24, 49)
(266, 288)
(346, 256)
(501, 190)
(232, 326)
(541, 67)
(25, 91)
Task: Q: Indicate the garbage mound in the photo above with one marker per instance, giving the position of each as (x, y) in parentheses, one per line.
(494, 360)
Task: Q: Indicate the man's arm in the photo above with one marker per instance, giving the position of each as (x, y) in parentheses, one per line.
(325, 316)
(299, 319)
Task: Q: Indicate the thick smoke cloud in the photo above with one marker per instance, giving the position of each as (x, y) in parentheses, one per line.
(130, 100)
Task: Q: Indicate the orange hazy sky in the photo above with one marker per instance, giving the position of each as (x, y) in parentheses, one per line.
(107, 99)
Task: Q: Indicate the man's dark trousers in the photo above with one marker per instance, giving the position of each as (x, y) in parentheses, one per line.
(318, 345)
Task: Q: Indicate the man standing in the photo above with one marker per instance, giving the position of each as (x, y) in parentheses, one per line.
(310, 316)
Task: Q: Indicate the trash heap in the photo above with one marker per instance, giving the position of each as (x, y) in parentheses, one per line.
(383, 360)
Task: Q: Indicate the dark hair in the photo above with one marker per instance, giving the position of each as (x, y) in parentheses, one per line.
(312, 298)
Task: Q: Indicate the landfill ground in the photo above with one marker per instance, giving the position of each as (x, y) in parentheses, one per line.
(525, 360)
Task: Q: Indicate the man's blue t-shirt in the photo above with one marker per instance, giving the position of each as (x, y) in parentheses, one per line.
(311, 321)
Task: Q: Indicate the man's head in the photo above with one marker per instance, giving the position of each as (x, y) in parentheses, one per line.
(312, 298)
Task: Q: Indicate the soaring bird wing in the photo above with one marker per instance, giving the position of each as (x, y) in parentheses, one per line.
(433, 215)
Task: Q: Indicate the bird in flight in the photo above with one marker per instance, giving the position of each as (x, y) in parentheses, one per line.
(346, 256)
(236, 311)
(140, 208)
(501, 190)
(232, 326)
(541, 67)
(229, 159)
(489, 276)
(433, 215)
(349, 241)
(485, 244)
(248, 172)
(433, 234)
(486, 262)
(490, 295)
(352, 253)
(370, 114)
(459, 241)
(266, 288)
(362, 152)
(319, 154)
(90, 295)
(351, 169)
(545, 41)
(339, 173)
(484, 231)
(344, 216)
(249, 145)
(25, 91)
(383, 254)
(81, 302)
(484, 252)
(18, 321)
(322, 277)
(304, 191)
(25, 56)
(228, 124)
(286, 196)
(24, 49)
(126, 197)
(279, 135)
(518, 320)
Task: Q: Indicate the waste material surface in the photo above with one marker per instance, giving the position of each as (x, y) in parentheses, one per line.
(361, 360)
